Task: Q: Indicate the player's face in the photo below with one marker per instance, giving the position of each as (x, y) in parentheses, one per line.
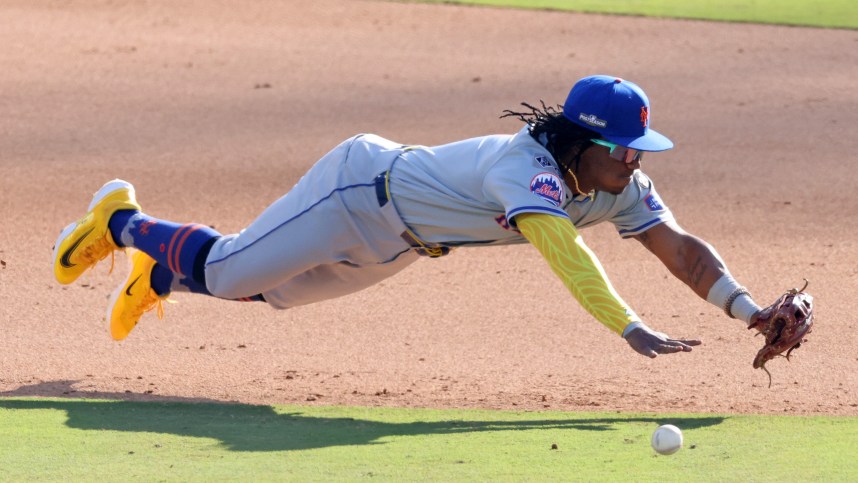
(610, 167)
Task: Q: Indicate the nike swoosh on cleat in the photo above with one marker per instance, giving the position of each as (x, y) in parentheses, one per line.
(128, 290)
(65, 260)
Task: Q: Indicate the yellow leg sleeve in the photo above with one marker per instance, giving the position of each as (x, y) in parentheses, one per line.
(577, 266)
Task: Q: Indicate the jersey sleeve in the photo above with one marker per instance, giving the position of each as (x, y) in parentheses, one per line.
(645, 208)
(520, 184)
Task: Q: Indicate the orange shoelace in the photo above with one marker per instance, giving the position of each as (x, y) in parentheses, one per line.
(98, 251)
(147, 303)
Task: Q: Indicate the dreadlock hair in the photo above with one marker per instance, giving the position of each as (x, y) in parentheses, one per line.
(558, 134)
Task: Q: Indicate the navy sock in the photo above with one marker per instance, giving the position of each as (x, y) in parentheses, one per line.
(190, 285)
(181, 248)
(162, 279)
(118, 222)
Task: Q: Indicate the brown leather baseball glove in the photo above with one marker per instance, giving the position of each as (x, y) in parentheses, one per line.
(784, 325)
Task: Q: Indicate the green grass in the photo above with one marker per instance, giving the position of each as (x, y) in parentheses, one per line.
(75, 440)
(819, 13)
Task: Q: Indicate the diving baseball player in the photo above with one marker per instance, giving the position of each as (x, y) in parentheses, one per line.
(384, 204)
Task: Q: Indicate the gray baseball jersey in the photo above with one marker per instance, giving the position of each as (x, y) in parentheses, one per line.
(466, 193)
(342, 227)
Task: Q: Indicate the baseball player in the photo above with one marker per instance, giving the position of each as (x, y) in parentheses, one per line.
(371, 207)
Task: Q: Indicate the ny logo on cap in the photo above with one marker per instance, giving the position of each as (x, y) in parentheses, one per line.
(644, 116)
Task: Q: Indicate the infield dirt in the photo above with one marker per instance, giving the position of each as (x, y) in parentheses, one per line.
(213, 112)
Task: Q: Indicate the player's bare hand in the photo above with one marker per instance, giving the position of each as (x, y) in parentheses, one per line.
(650, 343)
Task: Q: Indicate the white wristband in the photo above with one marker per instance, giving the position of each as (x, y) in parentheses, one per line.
(742, 306)
(721, 289)
(631, 327)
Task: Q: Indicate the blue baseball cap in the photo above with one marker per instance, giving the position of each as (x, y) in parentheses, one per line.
(615, 108)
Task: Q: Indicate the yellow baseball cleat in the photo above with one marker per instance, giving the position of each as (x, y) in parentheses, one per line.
(87, 241)
(134, 297)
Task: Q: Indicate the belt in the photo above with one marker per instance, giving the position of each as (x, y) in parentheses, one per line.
(381, 188)
(382, 193)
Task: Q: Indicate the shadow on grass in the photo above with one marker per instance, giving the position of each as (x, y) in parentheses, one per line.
(243, 427)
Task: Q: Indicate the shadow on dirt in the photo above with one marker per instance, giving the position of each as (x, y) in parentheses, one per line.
(244, 427)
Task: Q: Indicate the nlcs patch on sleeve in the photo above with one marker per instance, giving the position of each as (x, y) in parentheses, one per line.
(548, 187)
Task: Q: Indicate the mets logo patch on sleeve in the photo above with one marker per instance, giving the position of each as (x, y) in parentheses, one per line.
(548, 187)
(653, 203)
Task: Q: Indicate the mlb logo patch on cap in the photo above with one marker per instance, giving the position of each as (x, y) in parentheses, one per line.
(548, 187)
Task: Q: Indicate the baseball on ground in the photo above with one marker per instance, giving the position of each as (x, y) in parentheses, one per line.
(667, 439)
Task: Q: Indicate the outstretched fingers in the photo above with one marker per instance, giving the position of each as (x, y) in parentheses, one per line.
(672, 346)
(687, 341)
(649, 343)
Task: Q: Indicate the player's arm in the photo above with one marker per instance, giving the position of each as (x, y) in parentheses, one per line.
(577, 266)
(697, 264)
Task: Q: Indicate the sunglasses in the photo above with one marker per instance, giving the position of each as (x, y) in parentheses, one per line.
(620, 153)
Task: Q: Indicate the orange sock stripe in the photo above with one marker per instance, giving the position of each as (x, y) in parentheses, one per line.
(192, 228)
(173, 244)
